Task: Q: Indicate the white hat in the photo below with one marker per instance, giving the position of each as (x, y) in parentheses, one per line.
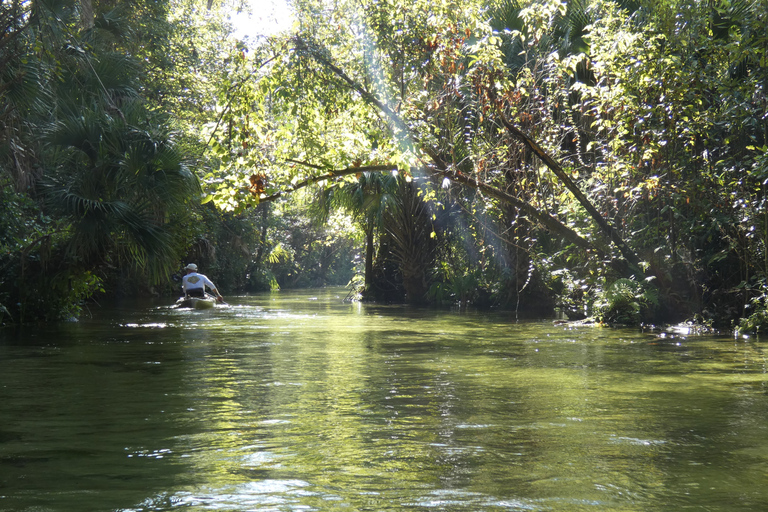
(191, 266)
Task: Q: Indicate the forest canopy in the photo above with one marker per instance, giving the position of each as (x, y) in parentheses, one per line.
(602, 158)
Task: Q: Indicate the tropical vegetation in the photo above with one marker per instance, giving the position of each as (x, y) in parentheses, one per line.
(603, 158)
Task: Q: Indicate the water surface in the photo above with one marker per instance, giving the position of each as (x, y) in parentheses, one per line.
(301, 401)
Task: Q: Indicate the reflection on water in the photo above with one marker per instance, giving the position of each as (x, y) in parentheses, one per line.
(298, 401)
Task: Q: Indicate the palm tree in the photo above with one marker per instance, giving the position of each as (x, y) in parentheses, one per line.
(408, 230)
(77, 140)
(124, 187)
(366, 199)
(391, 206)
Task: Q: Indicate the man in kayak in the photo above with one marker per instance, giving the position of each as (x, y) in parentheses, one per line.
(194, 284)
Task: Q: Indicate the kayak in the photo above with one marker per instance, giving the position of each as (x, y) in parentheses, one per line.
(196, 302)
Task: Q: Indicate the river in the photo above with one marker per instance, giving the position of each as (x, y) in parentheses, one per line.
(300, 401)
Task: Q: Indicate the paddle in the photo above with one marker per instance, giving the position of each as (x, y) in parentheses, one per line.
(218, 299)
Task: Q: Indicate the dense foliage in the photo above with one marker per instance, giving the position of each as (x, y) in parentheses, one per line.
(601, 156)
(93, 162)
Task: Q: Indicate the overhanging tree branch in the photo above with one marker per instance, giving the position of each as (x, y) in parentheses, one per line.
(440, 167)
(543, 219)
(329, 175)
(607, 229)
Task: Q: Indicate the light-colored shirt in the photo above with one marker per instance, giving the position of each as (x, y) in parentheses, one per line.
(194, 280)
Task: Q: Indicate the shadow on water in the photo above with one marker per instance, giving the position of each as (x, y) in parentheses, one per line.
(299, 400)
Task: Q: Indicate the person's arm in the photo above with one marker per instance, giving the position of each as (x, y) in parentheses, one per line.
(214, 290)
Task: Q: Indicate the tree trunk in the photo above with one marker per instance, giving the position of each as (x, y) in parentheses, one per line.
(607, 229)
(263, 235)
(369, 250)
(86, 14)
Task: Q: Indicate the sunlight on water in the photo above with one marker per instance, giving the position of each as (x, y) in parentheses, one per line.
(300, 401)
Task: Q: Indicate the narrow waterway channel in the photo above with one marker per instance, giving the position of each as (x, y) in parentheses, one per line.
(301, 401)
